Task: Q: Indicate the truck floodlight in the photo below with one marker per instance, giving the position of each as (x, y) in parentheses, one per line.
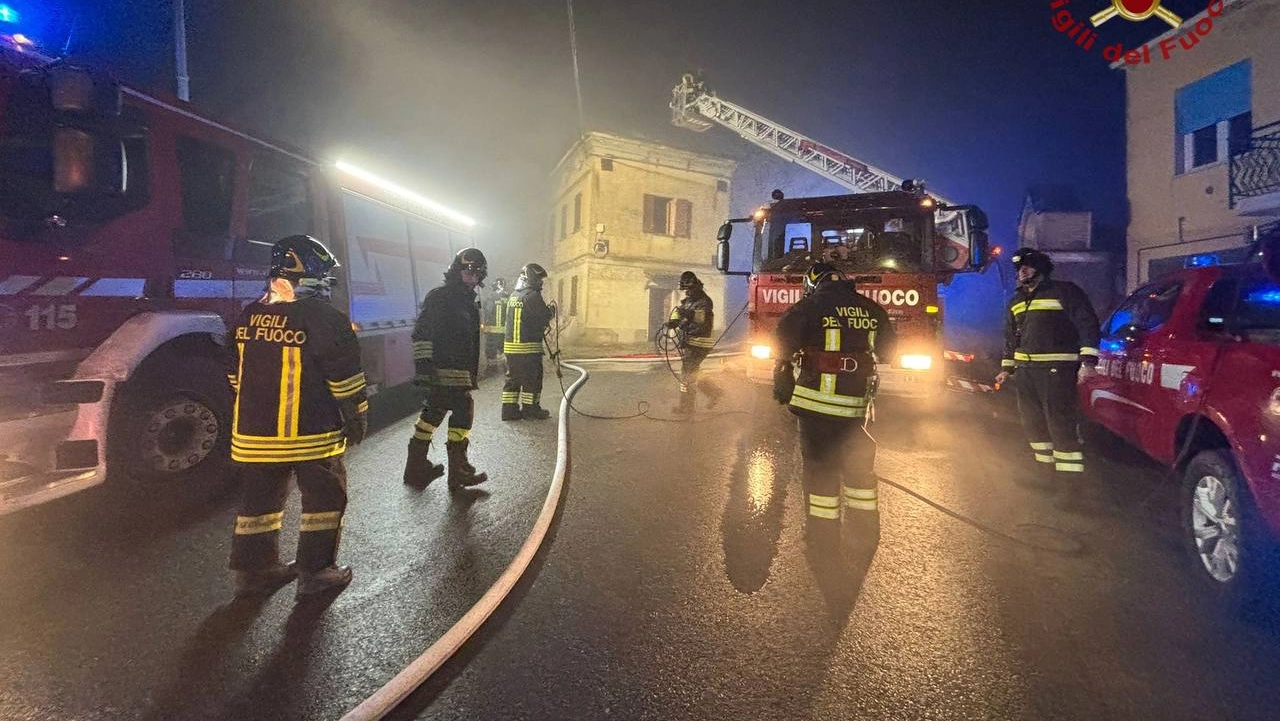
(761, 351)
(404, 193)
(22, 40)
(916, 362)
(9, 15)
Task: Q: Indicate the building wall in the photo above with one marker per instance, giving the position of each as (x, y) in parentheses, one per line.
(624, 273)
(1058, 230)
(1179, 214)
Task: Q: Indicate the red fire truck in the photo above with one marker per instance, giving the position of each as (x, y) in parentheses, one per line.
(898, 242)
(132, 230)
(1189, 372)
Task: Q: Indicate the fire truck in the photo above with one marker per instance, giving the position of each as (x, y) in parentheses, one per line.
(132, 232)
(893, 239)
(1189, 373)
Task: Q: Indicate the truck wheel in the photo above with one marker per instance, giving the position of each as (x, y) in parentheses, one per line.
(1226, 539)
(174, 421)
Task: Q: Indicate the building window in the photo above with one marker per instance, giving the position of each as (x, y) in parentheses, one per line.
(1212, 117)
(722, 186)
(668, 216)
(577, 212)
(560, 293)
(606, 163)
(564, 221)
(573, 296)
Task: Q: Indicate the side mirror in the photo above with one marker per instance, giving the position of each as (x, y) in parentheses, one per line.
(88, 163)
(722, 252)
(725, 232)
(979, 249)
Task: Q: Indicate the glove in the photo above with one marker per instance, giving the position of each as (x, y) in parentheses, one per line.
(355, 419)
(784, 383)
(673, 323)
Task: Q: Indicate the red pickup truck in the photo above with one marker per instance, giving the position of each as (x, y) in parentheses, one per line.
(1189, 372)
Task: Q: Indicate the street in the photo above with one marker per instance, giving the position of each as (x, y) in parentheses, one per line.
(673, 585)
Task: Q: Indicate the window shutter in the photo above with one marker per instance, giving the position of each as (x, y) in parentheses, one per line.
(650, 202)
(684, 219)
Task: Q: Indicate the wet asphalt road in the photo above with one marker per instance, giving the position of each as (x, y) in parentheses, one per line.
(675, 584)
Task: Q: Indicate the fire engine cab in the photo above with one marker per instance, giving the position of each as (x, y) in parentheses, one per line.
(132, 231)
(1189, 372)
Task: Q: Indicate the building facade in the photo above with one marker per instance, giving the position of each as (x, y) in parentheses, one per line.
(1054, 220)
(1204, 140)
(627, 217)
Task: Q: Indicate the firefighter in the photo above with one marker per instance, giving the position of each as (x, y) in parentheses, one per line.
(693, 318)
(834, 335)
(1051, 343)
(494, 322)
(446, 359)
(294, 365)
(527, 319)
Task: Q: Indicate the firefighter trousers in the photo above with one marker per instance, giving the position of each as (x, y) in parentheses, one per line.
(524, 381)
(323, 485)
(839, 461)
(492, 345)
(1050, 411)
(441, 400)
(690, 377)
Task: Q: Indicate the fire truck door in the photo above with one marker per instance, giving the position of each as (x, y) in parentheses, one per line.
(203, 271)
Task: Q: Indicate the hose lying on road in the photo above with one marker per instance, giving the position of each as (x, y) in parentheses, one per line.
(416, 673)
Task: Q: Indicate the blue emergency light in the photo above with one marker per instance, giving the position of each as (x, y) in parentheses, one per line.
(8, 14)
(1203, 260)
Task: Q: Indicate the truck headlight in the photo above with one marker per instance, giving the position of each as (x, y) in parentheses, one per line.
(761, 351)
(916, 362)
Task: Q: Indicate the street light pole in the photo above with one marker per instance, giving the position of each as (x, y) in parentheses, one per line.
(180, 50)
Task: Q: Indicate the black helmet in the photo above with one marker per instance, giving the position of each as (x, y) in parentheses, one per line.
(1034, 258)
(301, 258)
(818, 274)
(468, 259)
(689, 280)
(531, 277)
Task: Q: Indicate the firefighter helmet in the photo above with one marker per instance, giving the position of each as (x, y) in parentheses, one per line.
(1033, 258)
(303, 260)
(468, 259)
(689, 280)
(818, 274)
(531, 277)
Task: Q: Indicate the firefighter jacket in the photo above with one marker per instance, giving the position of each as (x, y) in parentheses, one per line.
(837, 333)
(527, 319)
(695, 316)
(291, 365)
(446, 338)
(494, 314)
(1054, 323)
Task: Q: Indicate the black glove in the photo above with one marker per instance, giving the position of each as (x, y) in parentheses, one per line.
(784, 383)
(673, 323)
(355, 419)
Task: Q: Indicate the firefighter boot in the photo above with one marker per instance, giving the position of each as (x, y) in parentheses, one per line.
(419, 471)
(461, 473)
(686, 404)
(332, 578)
(264, 581)
(511, 412)
(535, 412)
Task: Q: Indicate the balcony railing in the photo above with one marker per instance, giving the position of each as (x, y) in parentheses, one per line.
(1255, 168)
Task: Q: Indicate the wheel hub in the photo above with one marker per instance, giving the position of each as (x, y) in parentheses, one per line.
(1216, 529)
(179, 435)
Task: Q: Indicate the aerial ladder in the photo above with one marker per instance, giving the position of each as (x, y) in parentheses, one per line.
(697, 108)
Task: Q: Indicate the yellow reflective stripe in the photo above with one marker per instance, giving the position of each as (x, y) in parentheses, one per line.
(827, 384)
(862, 494)
(235, 408)
(283, 442)
(831, 513)
(1007, 363)
(423, 350)
(362, 407)
(675, 313)
(346, 384)
(515, 325)
(1045, 446)
(526, 398)
(1070, 467)
(1039, 304)
(1044, 458)
(832, 398)
(1069, 455)
(831, 341)
(510, 397)
(700, 341)
(453, 377)
(511, 348)
(326, 521)
(423, 430)
(266, 523)
(824, 506)
(459, 434)
(826, 408)
(1086, 350)
(336, 449)
(290, 395)
(861, 505)
(1045, 357)
(871, 340)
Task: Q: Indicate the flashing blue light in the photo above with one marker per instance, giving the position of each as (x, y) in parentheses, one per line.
(1270, 296)
(8, 14)
(1111, 345)
(1202, 261)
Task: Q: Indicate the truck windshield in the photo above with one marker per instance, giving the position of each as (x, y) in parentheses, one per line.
(872, 241)
(1258, 312)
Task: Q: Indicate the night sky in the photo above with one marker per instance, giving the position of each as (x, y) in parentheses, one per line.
(473, 102)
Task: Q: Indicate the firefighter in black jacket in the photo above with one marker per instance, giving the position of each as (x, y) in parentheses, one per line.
(527, 319)
(834, 334)
(446, 359)
(693, 318)
(1051, 343)
(294, 364)
(494, 321)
